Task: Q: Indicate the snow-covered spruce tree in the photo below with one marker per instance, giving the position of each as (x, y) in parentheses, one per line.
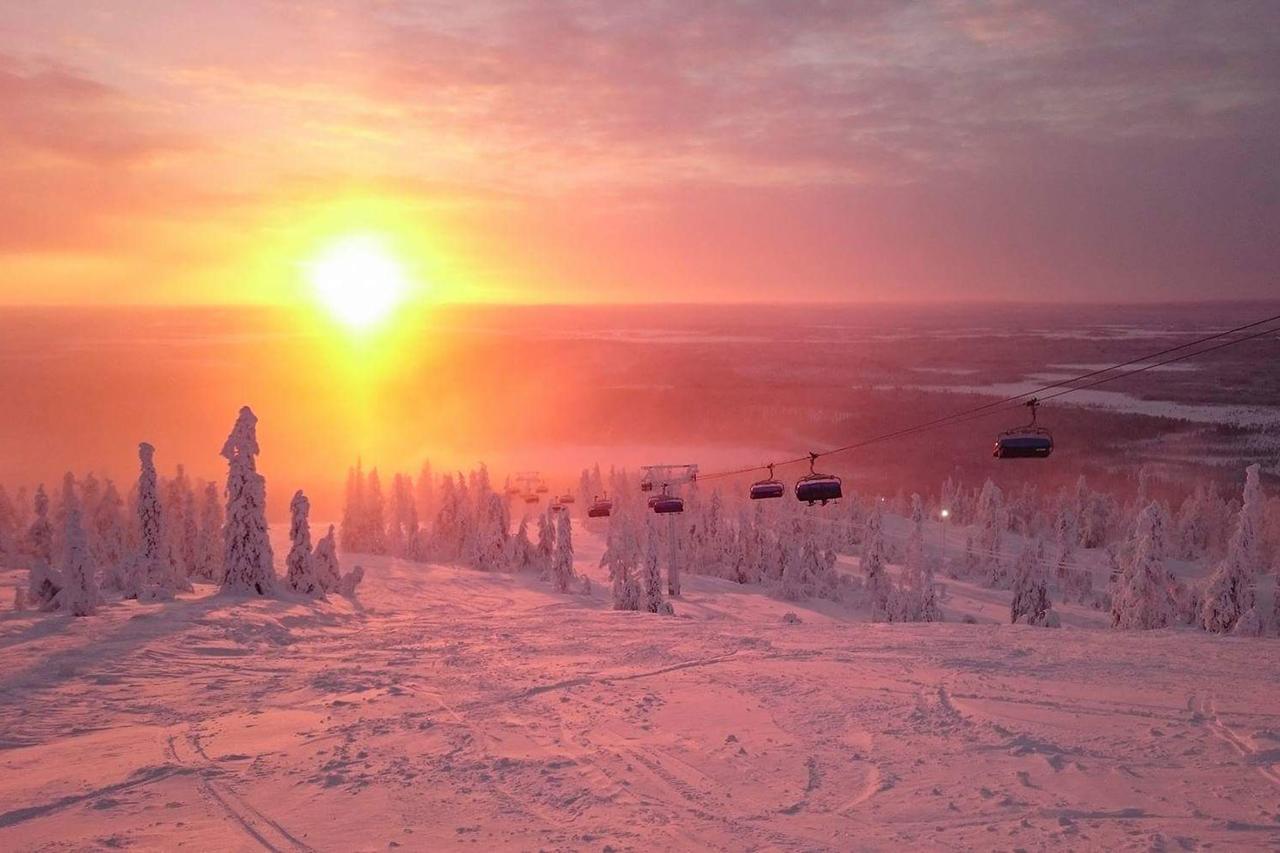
(546, 545)
(324, 562)
(45, 582)
(877, 583)
(1229, 594)
(1030, 601)
(173, 506)
(918, 596)
(347, 583)
(1141, 597)
(8, 528)
(562, 573)
(448, 539)
(374, 526)
(621, 557)
(107, 545)
(247, 557)
(990, 521)
(79, 596)
(522, 557)
(353, 510)
(149, 573)
(425, 494)
(492, 536)
(653, 601)
(300, 572)
(209, 538)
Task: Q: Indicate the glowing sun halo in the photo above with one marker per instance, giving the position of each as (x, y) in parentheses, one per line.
(358, 281)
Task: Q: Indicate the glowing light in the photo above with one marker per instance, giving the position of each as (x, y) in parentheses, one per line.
(945, 513)
(358, 280)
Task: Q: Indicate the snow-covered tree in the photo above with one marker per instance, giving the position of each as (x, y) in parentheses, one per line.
(877, 583)
(79, 596)
(209, 539)
(1141, 597)
(449, 525)
(653, 601)
(1230, 592)
(546, 545)
(8, 528)
(324, 562)
(621, 557)
(107, 545)
(348, 582)
(982, 548)
(1030, 601)
(522, 553)
(300, 569)
(152, 576)
(562, 573)
(373, 525)
(45, 582)
(917, 595)
(247, 557)
(426, 493)
(353, 517)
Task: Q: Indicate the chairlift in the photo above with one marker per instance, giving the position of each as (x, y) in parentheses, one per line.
(542, 489)
(531, 498)
(818, 488)
(769, 488)
(600, 507)
(568, 498)
(664, 503)
(1028, 442)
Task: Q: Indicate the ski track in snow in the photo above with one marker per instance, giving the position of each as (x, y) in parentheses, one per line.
(452, 709)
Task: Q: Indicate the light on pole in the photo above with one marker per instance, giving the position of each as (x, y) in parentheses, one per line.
(945, 514)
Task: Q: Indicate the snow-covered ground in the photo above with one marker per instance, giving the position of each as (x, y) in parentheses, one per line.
(448, 708)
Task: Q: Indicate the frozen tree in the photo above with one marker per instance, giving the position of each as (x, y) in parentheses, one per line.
(207, 559)
(877, 583)
(1141, 596)
(546, 545)
(324, 563)
(1249, 624)
(653, 601)
(562, 573)
(621, 556)
(426, 493)
(79, 596)
(1230, 592)
(151, 575)
(173, 512)
(373, 525)
(353, 510)
(522, 555)
(449, 527)
(45, 582)
(1030, 600)
(917, 597)
(300, 571)
(348, 583)
(8, 528)
(491, 534)
(247, 557)
(107, 544)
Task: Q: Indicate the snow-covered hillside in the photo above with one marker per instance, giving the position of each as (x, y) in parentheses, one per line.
(445, 707)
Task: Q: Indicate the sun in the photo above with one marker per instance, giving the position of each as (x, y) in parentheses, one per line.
(358, 280)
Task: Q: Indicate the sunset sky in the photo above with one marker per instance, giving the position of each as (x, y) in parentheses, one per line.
(154, 151)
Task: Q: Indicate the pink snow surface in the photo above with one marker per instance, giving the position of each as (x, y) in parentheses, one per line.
(446, 708)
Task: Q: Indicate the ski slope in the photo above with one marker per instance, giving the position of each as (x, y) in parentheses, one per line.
(446, 708)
